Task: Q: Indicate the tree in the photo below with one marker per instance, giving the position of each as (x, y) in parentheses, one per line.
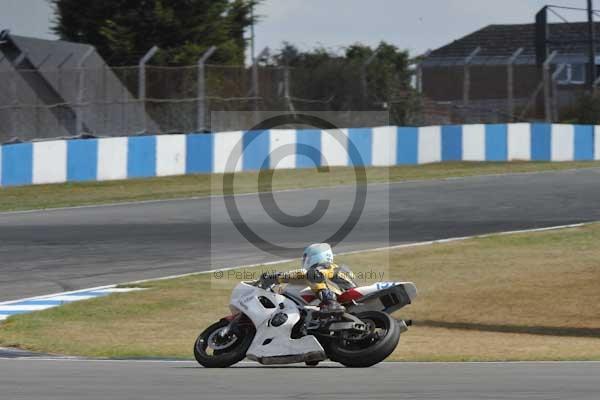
(339, 78)
(123, 30)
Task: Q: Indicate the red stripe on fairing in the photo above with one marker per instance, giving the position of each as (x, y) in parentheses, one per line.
(349, 295)
(309, 297)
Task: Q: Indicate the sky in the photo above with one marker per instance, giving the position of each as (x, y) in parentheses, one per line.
(416, 25)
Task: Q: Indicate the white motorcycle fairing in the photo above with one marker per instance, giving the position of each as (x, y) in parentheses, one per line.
(274, 317)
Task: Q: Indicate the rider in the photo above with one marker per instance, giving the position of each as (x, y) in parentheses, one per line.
(324, 277)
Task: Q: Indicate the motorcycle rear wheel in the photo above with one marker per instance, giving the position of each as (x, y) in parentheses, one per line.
(371, 350)
(228, 353)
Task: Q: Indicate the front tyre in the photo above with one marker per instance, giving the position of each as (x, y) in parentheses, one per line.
(215, 350)
(367, 349)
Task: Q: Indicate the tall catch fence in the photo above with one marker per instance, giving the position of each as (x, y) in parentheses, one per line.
(120, 101)
(500, 89)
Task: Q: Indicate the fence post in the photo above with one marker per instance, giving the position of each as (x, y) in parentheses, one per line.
(510, 88)
(201, 122)
(59, 84)
(363, 77)
(255, 86)
(467, 76)
(80, 91)
(286, 89)
(555, 75)
(547, 89)
(142, 83)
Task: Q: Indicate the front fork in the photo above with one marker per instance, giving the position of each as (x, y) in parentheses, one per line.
(234, 322)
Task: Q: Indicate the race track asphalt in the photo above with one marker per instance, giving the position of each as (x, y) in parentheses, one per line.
(99, 380)
(51, 251)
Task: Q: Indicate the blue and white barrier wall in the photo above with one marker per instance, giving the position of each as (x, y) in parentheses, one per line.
(148, 156)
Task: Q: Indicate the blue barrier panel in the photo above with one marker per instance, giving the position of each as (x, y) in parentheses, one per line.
(496, 142)
(17, 164)
(584, 143)
(199, 153)
(362, 152)
(256, 145)
(452, 143)
(541, 138)
(407, 146)
(82, 160)
(308, 148)
(141, 156)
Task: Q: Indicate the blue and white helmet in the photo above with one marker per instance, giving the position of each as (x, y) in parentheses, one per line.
(319, 253)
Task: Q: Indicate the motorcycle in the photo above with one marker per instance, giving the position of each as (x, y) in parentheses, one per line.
(283, 324)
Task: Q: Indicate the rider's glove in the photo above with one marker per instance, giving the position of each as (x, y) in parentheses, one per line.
(266, 280)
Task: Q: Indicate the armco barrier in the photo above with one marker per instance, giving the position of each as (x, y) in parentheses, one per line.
(147, 156)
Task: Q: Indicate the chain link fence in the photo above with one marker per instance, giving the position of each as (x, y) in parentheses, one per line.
(499, 89)
(118, 101)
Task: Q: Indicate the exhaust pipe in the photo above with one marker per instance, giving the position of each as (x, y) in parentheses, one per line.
(403, 325)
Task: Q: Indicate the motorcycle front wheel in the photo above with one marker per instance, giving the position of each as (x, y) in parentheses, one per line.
(214, 350)
(368, 349)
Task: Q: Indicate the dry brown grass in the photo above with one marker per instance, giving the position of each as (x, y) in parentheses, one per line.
(438, 344)
(517, 297)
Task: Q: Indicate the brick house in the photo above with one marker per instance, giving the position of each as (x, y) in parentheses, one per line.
(487, 53)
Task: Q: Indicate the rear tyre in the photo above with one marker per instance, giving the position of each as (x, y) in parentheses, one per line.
(360, 352)
(213, 350)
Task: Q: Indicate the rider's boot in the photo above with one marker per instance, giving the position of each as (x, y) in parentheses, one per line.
(329, 303)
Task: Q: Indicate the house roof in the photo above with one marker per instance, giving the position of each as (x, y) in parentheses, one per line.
(54, 54)
(498, 42)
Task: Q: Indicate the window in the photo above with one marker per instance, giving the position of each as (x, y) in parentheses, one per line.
(572, 74)
(578, 74)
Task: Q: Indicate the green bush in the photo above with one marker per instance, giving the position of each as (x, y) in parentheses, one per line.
(586, 110)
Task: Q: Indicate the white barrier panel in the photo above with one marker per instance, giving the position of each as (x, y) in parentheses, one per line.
(226, 145)
(563, 142)
(430, 145)
(473, 143)
(170, 155)
(280, 138)
(384, 147)
(59, 161)
(519, 142)
(50, 162)
(112, 158)
(334, 144)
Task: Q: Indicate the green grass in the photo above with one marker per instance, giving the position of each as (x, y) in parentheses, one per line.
(76, 194)
(530, 296)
